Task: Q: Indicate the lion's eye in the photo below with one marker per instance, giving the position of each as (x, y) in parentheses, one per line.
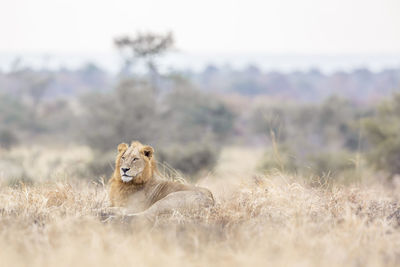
(123, 158)
(135, 159)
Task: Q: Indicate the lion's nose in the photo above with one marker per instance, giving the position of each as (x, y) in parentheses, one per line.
(125, 169)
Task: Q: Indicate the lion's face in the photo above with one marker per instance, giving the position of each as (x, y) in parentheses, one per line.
(134, 162)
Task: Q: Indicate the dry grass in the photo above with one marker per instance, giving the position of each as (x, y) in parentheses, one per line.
(272, 220)
(264, 221)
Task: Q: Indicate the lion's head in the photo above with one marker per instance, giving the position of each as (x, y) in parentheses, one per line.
(135, 163)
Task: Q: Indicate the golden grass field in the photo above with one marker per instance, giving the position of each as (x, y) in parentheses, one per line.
(259, 220)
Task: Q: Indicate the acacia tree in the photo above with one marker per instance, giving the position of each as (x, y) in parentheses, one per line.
(146, 47)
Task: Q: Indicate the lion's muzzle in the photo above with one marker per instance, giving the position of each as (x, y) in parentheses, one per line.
(126, 178)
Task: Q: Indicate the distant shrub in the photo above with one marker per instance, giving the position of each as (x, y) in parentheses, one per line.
(189, 159)
(383, 135)
(8, 139)
(267, 119)
(102, 164)
(125, 114)
(319, 164)
(314, 139)
(191, 115)
(278, 159)
(331, 163)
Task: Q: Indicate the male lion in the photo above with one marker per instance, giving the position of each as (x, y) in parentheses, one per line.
(137, 186)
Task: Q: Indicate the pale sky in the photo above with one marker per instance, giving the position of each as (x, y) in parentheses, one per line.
(279, 26)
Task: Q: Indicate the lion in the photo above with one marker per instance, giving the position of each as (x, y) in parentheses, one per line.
(137, 186)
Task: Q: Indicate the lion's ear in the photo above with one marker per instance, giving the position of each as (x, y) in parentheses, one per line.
(148, 151)
(122, 147)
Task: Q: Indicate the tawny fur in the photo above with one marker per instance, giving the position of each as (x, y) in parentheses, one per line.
(154, 193)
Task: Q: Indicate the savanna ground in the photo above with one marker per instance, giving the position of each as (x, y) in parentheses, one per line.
(259, 220)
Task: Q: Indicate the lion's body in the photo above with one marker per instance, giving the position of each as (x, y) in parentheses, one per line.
(145, 191)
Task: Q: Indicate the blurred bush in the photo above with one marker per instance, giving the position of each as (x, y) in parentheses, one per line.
(189, 159)
(316, 139)
(7, 139)
(383, 135)
(102, 164)
(124, 114)
(321, 164)
(189, 115)
(279, 159)
(333, 163)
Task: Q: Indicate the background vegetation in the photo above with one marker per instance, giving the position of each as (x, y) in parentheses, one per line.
(337, 126)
